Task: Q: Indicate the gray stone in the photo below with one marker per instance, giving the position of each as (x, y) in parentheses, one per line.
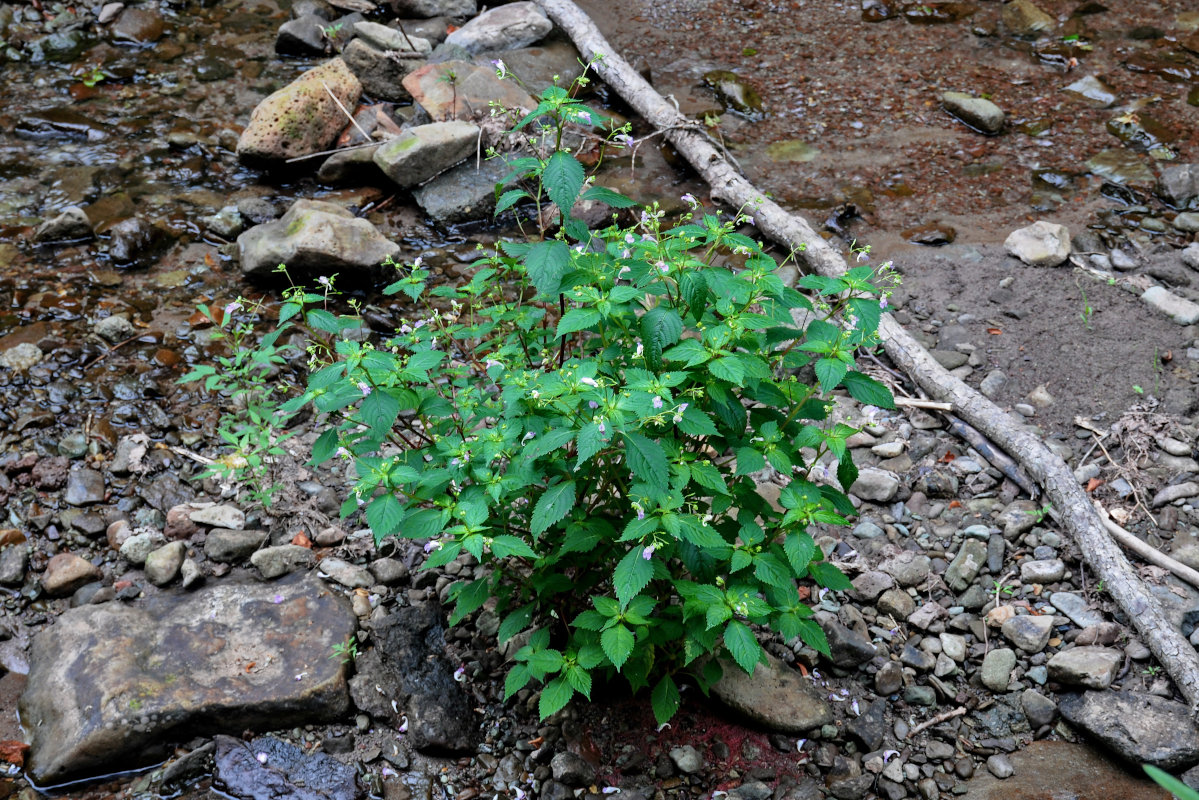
(14, 561)
(190, 573)
(163, 565)
(392, 39)
(1050, 570)
(463, 193)
(926, 615)
(21, 357)
(1142, 728)
(896, 603)
(226, 223)
(572, 769)
(1076, 608)
(505, 27)
(1187, 221)
(115, 328)
(1178, 309)
(347, 166)
(920, 695)
(1029, 633)
(458, 89)
(1024, 18)
(954, 646)
(1179, 184)
(84, 487)
(876, 485)
(419, 153)
(1092, 667)
(993, 383)
(70, 224)
(909, 568)
(271, 768)
(775, 696)
(275, 561)
(1017, 517)
(1039, 709)
(848, 647)
(388, 571)
(686, 759)
(232, 546)
(980, 114)
(869, 585)
(889, 679)
(1094, 91)
(302, 36)
(301, 118)
(137, 548)
(966, 566)
(1000, 766)
(117, 682)
(917, 659)
(1178, 491)
(314, 237)
(219, 516)
(349, 575)
(1042, 244)
(871, 726)
(996, 669)
(66, 572)
(381, 72)
(435, 8)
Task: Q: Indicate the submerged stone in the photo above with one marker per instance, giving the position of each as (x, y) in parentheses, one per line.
(112, 685)
(734, 92)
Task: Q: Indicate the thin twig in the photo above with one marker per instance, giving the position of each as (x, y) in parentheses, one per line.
(1145, 550)
(345, 111)
(362, 146)
(937, 720)
(915, 402)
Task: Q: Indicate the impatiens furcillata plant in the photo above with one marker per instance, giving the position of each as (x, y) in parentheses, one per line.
(586, 417)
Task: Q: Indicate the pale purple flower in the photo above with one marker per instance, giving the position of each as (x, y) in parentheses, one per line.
(799, 745)
(432, 545)
(640, 510)
(623, 139)
(882, 304)
(323, 280)
(234, 306)
(460, 674)
(689, 199)
(521, 794)
(501, 70)
(364, 387)
(592, 405)
(602, 428)
(889, 754)
(862, 256)
(661, 265)
(403, 725)
(528, 436)
(584, 116)
(277, 599)
(657, 402)
(418, 261)
(628, 237)
(854, 706)
(648, 552)
(616, 789)
(342, 453)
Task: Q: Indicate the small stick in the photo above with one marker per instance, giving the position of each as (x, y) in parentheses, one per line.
(362, 146)
(205, 460)
(114, 348)
(937, 720)
(916, 402)
(349, 116)
(1146, 551)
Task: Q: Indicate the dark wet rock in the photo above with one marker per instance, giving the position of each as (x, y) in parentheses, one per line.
(1121, 166)
(435, 8)
(980, 114)
(132, 240)
(870, 728)
(1023, 18)
(421, 152)
(71, 224)
(165, 492)
(1042, 244)
(112, 684)
(461, 90)
(1093, 90)
(58, 123)
(1142, 728)
(232, 547)
(84, 487)
(1039, 709)
(210, 70)
(848, 648)
(226, 223)
(572, 769)
(1179, 184)
(734, 92)
(1088, 666)
(933, 234)
(1140, 132)
(408, 665)
(66, 572)
(300, 118)
(14, 561)
(381, 73)
(52, 473)
(1076, 770)
(314, 237)
(138, 25)
(537, 66)
(350, 166)
(270, 769)
(189, 766)
(463, 193)
(505, 27)
(775, 696)
(115, 328)
(273, 562)
(302, 36)
(162, 565)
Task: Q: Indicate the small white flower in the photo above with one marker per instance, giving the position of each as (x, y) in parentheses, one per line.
(589, 382)
(889, 754)
(628, 237)
(584, 116)
(342, 453)
(656, 402)
(689, 199)
(460, 674)
(535, 394)
(640, 349)
(799, 745)
(862, 256)
(616, 789)
(261, 758)
(623, 270)
(403, 725)
(324, 281)
(663, 726)
(417, 262)
(528, 436)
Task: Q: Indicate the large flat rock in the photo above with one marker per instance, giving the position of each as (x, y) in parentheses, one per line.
(775, 696)
(1062, 771)
(112, 685)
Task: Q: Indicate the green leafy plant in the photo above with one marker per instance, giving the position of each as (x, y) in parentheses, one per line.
(586, 416)
(346, 651)
(93, 77)
(1170, 783)
(1087, 310)
(256, 426)
(1002, 589)
(1039, 514)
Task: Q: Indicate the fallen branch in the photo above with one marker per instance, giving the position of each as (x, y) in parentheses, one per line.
(930, 405)
(997, 458)
(1146, 550)
(1078, 516)
(937, 720)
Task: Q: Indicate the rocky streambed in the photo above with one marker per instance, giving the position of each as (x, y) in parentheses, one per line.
(152, 616)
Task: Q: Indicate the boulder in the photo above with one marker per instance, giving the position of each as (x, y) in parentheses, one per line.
(138, 26)
(1090, 667)
(1042, 244)
(301, 118)
(459, 89)
(435, 8)
(776, 697)
(980, 114)
(1142, 728)
(71, 223)
(1052, 769)
(356, 165)
(232, 546)
(419, 153)
(314, 236)
(1178, 184)
(391, 39)
(505, 27)
(273, 562)
(113, 685)
(381, 72)
(302, 36)
(271, 768)
(463, 193)
(1179, 309)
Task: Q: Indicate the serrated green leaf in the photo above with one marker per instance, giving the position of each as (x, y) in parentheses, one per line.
(867, 390)
(577, 319)
(728, 368)
(694, 422)
(665, 700)
(509, 199)
(468, 597)
(709, 477)
(547, 442)
(608, 197)
(590, 620)
(770, 570)
(749, 461)
(589, 441)
(546, 263)
(632, 574)
(830, 371)
(516, 679)
(552, 506)
(847, 471)
(813, 636)
(384, 514)
(554, 697)
(717, 614)
(325, 446)
(647, 460)
(799, 548)
(617, 642)
(579, 679)
(506, 546)
(828, 576)
(563, 179)
(742, 645)
(515, 622)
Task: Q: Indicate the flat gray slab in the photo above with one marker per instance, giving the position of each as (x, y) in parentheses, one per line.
(111, 685)
(775, 696)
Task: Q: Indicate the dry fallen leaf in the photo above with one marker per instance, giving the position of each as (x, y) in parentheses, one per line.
(1094, 483)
